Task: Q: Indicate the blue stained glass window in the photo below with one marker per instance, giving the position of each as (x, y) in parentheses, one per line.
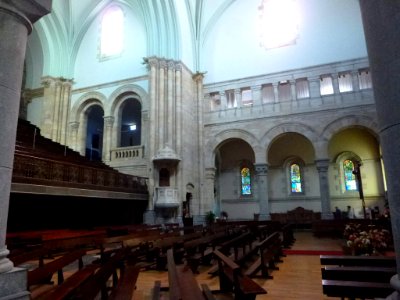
(349, 177)
(295, 178)
(246, 181)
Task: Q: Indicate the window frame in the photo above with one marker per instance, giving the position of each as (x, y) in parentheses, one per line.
(102, 56)
(301, 171)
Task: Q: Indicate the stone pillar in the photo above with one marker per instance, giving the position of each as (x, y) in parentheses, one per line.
(107, 138)
(276, 91)
(238, 97)
(315, 89)
(382, 30)
(209, 186)
(16, 18)
(73, 135)
(293, 90)
(322, 168)
(66, 100)
(256, 94)
(335, 83)
(224, 103)
(355, 82)
(262, 185)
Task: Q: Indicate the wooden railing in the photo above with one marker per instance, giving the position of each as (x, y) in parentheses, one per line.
(47, 171)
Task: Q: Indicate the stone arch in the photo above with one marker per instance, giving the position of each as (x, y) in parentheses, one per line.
(84, 102)
(348, 122)
(118, 96)
(116, 100)
(223, 136)
(78, 115)
(299, 128)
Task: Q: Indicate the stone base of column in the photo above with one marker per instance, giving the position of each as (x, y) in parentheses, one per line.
(327, 216)
(13, 285)
(395, 283)
(149, 217)
(264, 217)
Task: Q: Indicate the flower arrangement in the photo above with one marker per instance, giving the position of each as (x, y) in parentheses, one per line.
(366, 241)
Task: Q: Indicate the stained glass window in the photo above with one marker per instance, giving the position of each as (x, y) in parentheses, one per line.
(246, 181)
(112, 32)
(295, 178)
(349, 177)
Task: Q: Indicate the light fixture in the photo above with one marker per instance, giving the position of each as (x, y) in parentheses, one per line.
(132, 127)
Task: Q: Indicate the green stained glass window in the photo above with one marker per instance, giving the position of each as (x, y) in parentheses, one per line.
(246, 181)
(349, 177)
(295, 178)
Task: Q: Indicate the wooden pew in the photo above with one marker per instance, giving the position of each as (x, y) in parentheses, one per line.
(28, 255)
(68, 287)
(365, 274)
(356, 289)
(231, 279)
(44, 273)
(126, 284)
(349, 260)
(97, 284)
(357, 276)
(270, 251)
(182, 283)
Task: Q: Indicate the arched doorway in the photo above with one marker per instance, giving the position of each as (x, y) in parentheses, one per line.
(131, 123)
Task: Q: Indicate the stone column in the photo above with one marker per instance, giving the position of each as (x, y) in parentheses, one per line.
(256, 94)
(382, 30)
(276, 91)
(315, 89)
(262, 185)
(355, 82)
(66, 99)
(107, 138)
(322, 168)
(209, 184)
(224, 103)
(335, 83)
(238, 97)
(73, 135)
(16, 18)
(293, 90)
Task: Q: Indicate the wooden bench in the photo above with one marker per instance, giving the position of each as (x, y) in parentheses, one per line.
(67, 288)
(232, 280)
(98, 283)
(357, 276)
(270, 250)
(349, 260)
(182, 283)
(356, 289)
(44, 273)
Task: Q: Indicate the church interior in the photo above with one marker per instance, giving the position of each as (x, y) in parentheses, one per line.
(216, 123)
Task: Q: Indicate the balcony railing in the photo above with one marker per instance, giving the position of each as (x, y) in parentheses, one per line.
(32, 169)
(127, 153)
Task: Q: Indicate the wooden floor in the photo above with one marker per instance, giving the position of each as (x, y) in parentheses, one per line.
(299, 276)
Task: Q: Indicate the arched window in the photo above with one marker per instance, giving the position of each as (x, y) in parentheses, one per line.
(295, 178)
(349, 177)
(245, 177)
(112, 32)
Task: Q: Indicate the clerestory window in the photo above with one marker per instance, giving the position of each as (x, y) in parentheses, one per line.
(112, 32)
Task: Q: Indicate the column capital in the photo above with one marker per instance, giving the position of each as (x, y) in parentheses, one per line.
(261, 169)
(26, 11)
(109, 121)
(256, 88)
(322, 165)
(74, 125)
(210, 173)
